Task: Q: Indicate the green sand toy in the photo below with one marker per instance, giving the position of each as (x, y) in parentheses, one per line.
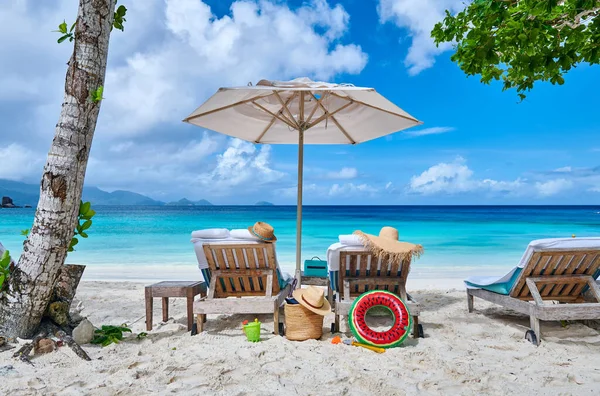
(252, 330)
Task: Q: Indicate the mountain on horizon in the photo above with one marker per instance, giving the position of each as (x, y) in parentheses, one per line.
(187, 202)
(29, 194)
(263, 203)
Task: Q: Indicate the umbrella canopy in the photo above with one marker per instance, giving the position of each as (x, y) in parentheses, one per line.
(301, 112)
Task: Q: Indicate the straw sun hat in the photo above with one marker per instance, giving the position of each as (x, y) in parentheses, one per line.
(387, 246)
(313, 298)
(263, 231)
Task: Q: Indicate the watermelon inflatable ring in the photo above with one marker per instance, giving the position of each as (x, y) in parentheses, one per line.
(384, 339)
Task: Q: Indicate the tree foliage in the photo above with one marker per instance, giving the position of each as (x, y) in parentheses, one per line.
(523, 41)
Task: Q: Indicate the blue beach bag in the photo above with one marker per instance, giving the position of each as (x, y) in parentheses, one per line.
(315, 267)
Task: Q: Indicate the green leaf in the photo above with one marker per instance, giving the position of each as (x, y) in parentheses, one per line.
(25, 232)
(63, 27)
(73, 26)
(86, 224)
(63, 38)
(84, 207)
(121, 11)
(97, 94)
(83, 234)
(527, 41)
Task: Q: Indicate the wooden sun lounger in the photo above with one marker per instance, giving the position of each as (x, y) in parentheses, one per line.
(551, 276)
(245, 271)
(391, 277)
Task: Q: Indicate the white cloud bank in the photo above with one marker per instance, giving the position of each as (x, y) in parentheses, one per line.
(172, 55)
(418, 17)
(456, 177)
(430, 131)
(18, 162)
(201, 52)
(553, 187)
(344, 173)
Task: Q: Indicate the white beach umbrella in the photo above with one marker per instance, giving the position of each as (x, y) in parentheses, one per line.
(301, 112)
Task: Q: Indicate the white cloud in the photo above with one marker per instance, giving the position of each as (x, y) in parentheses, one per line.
(564, 169)
(344, 173)
(351, 189)
(18, 162)
(335, 191)
(456, 177)
(503, 186)
(201, 52)
(449, 178)
(430, 131)
(553, 187)
(418, 17)
(241, 165)
(292, 192)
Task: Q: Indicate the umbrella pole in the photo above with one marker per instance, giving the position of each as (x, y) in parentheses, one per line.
(299, 208)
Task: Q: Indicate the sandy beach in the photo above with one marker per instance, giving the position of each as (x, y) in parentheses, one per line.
(467, 354)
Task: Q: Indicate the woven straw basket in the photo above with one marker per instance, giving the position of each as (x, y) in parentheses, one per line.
(302, 324)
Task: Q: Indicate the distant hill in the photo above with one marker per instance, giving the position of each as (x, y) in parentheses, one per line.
(187, 202)
(28, 194)
(263, 203)
(21, 193)
(117, 197)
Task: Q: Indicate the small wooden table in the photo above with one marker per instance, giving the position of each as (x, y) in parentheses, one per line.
(173, 289)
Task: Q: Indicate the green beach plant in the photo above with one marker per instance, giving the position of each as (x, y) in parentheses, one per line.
(84, 222)
(109, 334)
(118, 23)
(522, 42)
(5, 261)
(96, 95)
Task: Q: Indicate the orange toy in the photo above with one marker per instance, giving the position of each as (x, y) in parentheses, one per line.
(336, 340)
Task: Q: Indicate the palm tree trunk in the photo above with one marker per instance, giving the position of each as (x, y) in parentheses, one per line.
(30, 284)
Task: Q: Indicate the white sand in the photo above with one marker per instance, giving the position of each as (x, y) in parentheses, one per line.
(471, 354)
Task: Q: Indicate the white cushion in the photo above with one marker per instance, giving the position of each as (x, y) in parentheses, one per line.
(211, 233)
(333, 254)
(350, 240)
(243, 234)
(557, 244)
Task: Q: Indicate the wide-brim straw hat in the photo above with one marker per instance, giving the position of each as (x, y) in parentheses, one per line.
(387, 245)
(263, 231)
(313, 298)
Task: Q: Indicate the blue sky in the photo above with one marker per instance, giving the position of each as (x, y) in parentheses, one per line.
(477, 144)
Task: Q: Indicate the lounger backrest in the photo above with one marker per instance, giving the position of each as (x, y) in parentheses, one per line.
(239, 270)
(558, 266)
(365, 272)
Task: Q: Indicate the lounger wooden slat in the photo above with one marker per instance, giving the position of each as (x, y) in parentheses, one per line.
(243, 271)
(391, 277)
(553, 275)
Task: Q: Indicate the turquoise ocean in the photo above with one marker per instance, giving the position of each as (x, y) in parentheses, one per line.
(141, 243)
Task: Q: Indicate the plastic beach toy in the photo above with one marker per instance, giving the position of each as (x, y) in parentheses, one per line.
(252, 330)
(381, 339)
(369, 347)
